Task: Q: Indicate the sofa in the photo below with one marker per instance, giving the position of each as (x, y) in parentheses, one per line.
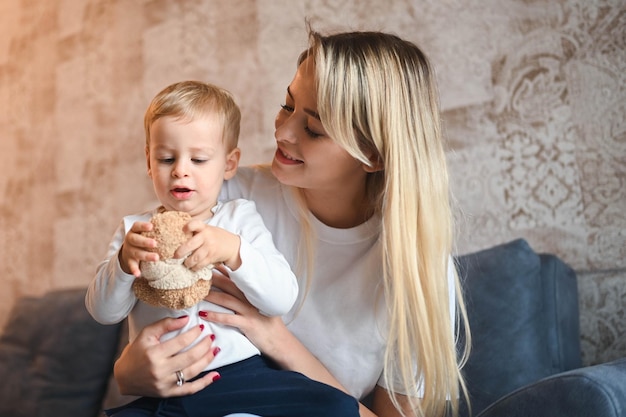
(526, 356)
(525, 361)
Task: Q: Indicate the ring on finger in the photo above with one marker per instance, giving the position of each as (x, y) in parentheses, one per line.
(180, 378)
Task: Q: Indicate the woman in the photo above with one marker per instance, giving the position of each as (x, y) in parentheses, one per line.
(357, 200)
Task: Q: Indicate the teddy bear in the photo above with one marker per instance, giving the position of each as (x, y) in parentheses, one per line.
(168, 282)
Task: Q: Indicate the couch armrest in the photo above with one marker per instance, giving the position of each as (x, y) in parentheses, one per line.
(598, 391)
(523, 313)
(560, 299)
(54, 358)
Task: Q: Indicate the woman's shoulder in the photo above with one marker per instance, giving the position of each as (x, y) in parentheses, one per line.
(250, 182)
(255, 173)
(274, 201)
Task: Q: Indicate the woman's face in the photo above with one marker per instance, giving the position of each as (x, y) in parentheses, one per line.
(306, 156)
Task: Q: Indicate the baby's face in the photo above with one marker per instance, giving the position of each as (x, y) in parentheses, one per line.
(188, 161)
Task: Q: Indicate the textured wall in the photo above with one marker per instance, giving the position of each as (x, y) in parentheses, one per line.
(534, 94)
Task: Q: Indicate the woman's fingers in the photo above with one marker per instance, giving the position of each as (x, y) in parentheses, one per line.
(176, 344)
(226, 285)
(230, 302)
(194, 386)
(199, 356)
(140, 368)
(226, 319)
(195, 359)
(147, 366)
(152, 333)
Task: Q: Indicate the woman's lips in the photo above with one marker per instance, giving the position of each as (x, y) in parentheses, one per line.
(286, 159)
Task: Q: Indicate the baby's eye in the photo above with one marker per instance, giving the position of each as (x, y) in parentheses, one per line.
(166, 160)
(198, 160)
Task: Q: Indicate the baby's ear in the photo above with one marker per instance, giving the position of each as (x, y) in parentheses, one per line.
(148, 161)
(232, 163)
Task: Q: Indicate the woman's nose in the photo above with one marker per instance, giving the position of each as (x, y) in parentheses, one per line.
(284, 129)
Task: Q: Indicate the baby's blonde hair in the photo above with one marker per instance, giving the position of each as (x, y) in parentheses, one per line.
(192, 99)
(377, 98)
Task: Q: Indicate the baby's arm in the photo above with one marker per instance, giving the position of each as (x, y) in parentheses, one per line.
(264, 275)
(238, 238)
(110, 297)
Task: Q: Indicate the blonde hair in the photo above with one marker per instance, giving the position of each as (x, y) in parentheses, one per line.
(377, 98)
(193, 99)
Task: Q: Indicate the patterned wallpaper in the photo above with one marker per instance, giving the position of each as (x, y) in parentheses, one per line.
(534, 98)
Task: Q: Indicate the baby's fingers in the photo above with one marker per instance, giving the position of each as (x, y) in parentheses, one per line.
(134, 268)
(140, 241)
(140, 227)
(136, 254)
(195, 226)
(194, 242)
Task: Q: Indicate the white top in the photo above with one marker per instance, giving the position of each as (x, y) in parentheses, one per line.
(264, 277)
(342, 320)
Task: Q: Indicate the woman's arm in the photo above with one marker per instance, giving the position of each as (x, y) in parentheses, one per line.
(382, 405)
(273, 338)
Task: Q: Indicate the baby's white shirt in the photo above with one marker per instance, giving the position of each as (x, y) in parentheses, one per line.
(265, 278)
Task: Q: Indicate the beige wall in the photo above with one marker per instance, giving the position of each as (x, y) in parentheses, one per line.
(534, 94)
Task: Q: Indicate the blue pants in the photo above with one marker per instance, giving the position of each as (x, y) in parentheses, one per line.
(252, 386)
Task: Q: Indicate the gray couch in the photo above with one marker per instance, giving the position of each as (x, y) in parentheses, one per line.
(526, 359)
(523, 308)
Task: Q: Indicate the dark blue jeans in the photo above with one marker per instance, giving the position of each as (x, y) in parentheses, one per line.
(252, 386)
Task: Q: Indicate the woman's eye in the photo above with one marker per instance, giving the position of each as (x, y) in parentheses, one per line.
(289, 109)
(311, 133)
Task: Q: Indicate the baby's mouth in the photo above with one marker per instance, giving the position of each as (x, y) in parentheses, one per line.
(181, 193)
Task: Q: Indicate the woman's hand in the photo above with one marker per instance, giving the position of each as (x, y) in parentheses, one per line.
(147, 366)
(260, 329)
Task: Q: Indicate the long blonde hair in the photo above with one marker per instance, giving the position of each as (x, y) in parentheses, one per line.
(376, 95)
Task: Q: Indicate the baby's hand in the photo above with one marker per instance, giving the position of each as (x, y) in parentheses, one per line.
(209, 245)
(136, 248)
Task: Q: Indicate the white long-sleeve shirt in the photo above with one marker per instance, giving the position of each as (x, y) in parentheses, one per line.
(343, 319)
(264, 277)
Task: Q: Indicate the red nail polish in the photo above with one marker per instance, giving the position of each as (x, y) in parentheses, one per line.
(203, 314)
(202, 327)
(216, 351)
(212, 337)
(216, 377)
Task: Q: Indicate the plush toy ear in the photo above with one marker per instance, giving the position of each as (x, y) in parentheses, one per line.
(232, 163)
